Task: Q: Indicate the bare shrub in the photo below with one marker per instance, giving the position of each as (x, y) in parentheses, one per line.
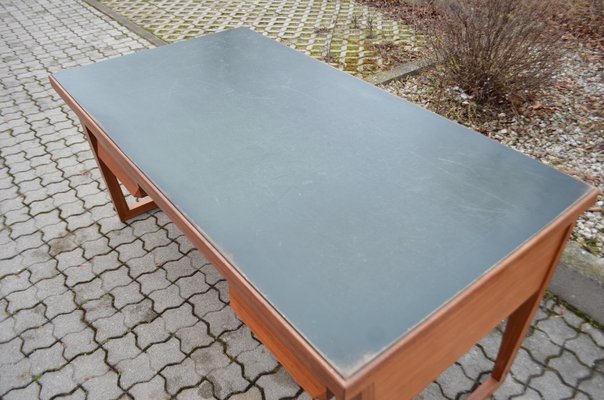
(496, 51)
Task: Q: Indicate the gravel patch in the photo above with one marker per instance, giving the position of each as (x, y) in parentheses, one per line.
(563, 127)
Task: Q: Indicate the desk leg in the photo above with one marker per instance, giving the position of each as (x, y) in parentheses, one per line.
(515, 331)
(124, 210)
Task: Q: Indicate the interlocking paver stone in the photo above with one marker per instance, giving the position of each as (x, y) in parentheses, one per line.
(135, 370)
(152, 240)
(15, 375)
(593, 386)
(32, 391)
(3, 309)
(190, 285)
(50, 287)
(229, 380)
(541, 348)
(162, 354)
(474, 363)
(454, 381)
(105, 262)
(180, 376)
(210, 358)
(206, 302)
(154, 389)
(129, 251)
(204, 391)
(557, 330)
(103, 387)
(525, 367)
(153, 281)
(59, 304)
(7, 329)
(185, 246)
(110, 327)
(585, 349)
(141, 265)
(22, 299)
(166, 298)
(223, 291)
(123, 348)
(194, 336)
(569, 367)
(177, 318)
(529, 394)
(68, 323)
(252, 393)
(129, 294)
(115, 278)
(47, 359)
(11, 351)
(88, 290)
(57, 382)
(509, 389)
(167, 253)
(88, 366)
(152, 332)
(256, 362)
(211, 274)
(77, 343)
(38, 338)
(222, 321)
(239, 341)
(183, 268)
(277, 385)
(100, 308)
(550, 386)
(135, 314)
(12, 283)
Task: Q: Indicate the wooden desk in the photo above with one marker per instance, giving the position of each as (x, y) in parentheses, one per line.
(367, 242)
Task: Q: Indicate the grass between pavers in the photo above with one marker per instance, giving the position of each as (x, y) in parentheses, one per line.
(346, 34)
(570, 307)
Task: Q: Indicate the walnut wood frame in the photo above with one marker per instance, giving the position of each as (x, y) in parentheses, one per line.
(513, 290)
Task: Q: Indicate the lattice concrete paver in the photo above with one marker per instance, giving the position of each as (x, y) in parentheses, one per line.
(77, 301)
(341, 32)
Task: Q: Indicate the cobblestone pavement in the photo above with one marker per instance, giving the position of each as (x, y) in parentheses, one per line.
(93, 308)
(341, 32)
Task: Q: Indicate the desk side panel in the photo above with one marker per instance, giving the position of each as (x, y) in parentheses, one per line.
(419, 358)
